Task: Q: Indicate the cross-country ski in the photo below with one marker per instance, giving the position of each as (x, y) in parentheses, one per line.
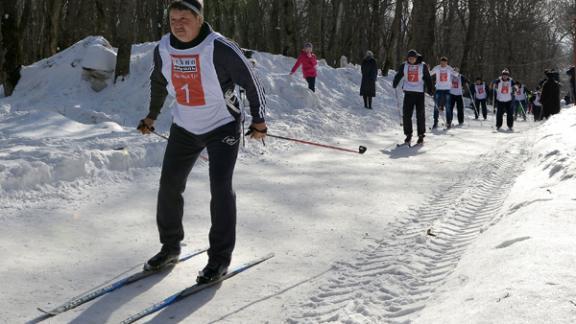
(82, 299)
(193, 290)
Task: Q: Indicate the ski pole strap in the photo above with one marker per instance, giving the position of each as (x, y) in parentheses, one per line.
(142, 125)
(252, 129)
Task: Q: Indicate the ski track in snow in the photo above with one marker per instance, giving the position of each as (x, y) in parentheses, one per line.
(401, 272)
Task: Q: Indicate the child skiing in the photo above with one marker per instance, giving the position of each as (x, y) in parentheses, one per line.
(520, 103)
(479, 93)
(456, 92)
(442, 75)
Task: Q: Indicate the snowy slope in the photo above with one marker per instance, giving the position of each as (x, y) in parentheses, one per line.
(474, 227)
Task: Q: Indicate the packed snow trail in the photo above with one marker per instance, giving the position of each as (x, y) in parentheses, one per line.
(399, 273)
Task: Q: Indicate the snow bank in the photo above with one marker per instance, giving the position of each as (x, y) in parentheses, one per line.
(99, 57)
(52, 108)
(521, 270)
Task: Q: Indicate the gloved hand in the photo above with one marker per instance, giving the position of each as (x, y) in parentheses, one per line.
(257, 131)
(146, 125)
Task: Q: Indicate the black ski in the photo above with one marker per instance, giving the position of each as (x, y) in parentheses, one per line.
(193, 290)
(82, 299)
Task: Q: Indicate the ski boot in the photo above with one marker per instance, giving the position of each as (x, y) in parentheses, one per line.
(167, 257)
(211, 272)
(420, 140)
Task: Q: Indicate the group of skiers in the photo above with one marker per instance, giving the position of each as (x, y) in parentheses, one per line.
(446, 85)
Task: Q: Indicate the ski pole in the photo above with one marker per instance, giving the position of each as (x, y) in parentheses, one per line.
(361, 149)
(524, 111)
(158, 134)
(399, 107)
(477, 110)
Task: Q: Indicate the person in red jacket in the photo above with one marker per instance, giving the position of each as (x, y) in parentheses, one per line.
(308, 61)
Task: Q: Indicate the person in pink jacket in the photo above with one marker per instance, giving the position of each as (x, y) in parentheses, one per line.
(308, 61)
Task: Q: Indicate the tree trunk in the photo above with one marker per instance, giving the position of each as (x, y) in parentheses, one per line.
(54, 19)
(291, 46)
(12, 26)
(470, 40)
(276, 28)
(392, 59)
(422, 29)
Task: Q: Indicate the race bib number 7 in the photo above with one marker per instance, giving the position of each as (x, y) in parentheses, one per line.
(505, 89)
(413, 73)
(187, 80)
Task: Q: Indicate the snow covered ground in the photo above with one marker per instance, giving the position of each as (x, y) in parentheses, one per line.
(477, 226)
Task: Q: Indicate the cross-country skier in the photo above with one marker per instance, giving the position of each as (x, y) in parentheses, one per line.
(479, 91)
(442, 75)
(416, 80)
(200, 69)
(536, 103)
(503, 90)
(520, 103)
(456, 93)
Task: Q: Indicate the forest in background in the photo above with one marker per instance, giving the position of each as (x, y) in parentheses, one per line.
(482, 37)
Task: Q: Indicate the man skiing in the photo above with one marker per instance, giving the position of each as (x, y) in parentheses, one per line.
(442, 74)
(479, 91)
(200, 69)
(503, 90)
(416, 79)
(456, 93)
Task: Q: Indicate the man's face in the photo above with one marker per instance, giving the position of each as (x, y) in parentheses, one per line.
(308, 49)
(185, 25)
(505, 77)
(412, 59)
(443, 63)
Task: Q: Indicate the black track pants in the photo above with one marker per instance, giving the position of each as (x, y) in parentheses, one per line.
(182, 151)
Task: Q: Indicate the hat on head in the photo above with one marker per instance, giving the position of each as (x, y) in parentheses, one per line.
(195, 5)
(505, 72)
(307, 44)
(412, 53)
(369, 53)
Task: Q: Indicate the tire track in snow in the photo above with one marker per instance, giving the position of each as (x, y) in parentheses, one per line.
(391, 280)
